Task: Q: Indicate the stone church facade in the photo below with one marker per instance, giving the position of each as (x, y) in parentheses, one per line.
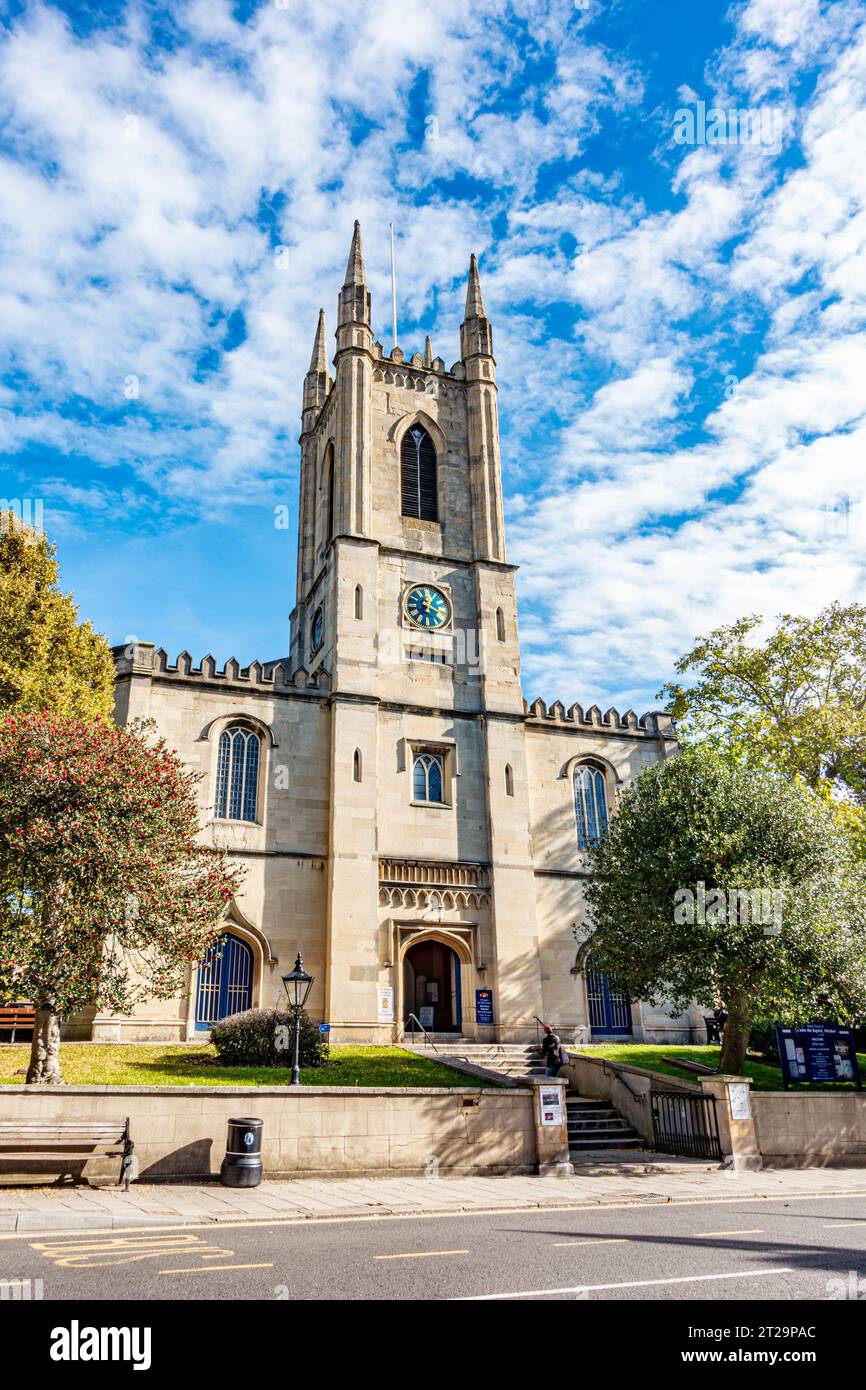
(406, 821)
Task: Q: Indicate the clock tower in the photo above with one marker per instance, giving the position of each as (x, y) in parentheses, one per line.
(406, 613)
(402, 817)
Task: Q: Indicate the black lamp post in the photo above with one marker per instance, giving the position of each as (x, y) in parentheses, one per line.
(297, 985)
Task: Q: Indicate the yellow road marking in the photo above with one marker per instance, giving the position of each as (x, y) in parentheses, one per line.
(212, 1269)
(596, 1240)
(420, 1254)
(755, 1231)
(121, 1250)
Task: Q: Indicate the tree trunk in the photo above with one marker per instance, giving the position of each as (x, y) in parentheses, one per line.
(44, 1069)
(735, 1038)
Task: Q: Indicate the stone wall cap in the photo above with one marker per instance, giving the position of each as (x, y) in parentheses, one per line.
(248, 1092)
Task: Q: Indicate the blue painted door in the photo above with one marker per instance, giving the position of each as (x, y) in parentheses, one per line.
(609, 1005)
(225, 981)
(457, 1008)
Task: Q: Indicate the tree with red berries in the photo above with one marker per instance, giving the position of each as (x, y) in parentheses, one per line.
(106, 893)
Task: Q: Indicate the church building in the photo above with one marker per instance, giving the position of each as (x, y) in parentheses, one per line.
(406, 820)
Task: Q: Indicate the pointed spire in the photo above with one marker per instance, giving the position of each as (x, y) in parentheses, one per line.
(355, 266)
(474, 302)
(318, 361)
(428, 352)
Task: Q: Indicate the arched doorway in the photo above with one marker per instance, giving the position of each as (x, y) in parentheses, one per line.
(431, 986)
(225, 981)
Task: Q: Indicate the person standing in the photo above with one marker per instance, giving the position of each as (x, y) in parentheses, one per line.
(551, 1048)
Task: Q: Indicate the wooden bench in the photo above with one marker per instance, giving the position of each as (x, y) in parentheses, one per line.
(686, 1064)
(37, 1140)
(17, 1016)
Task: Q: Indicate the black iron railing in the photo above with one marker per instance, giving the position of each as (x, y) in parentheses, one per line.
(685, 1124)
(428, 1041)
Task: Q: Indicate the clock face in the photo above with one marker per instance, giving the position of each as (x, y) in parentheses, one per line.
(427, 607)
(318, 629)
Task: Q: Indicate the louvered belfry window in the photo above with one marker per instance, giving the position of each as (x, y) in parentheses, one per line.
(418, 482)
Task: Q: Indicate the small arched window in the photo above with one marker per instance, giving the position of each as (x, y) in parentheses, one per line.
(428, 778)
(500, 625)
(359, 601)
(237, 784)
(590, 804)
(419, 488)
(509, 780)
(356, 765)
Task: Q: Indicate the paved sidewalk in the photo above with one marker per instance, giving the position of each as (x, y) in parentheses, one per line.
(86, 1208)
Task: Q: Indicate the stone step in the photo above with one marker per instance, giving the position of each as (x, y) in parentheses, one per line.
(593, 1126)
(590, 1145)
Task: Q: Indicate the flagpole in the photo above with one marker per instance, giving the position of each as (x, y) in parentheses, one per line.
(393, 287)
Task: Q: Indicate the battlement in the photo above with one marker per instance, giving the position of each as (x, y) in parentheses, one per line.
(653, 724)
(144, 659)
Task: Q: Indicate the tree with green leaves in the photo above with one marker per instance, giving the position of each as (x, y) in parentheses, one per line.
(729, 887)
(48, 659)
(795, 701)
(107, 895)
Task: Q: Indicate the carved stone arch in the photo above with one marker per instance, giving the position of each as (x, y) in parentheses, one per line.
(409, 898)
(384, 897)
(611, 776)
(212, 731)
(461, 899)
(237, 921)
(418, 417)
(396, 897)
(448, 901)
(581, 955)
(442, 935)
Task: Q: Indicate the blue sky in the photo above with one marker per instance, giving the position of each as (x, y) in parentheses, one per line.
(678, 327)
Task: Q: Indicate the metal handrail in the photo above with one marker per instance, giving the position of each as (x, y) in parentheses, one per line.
(540, 1023)
(428, 1041)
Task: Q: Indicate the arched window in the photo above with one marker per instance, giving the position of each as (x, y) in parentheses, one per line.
(590, 804)
(509, 780)
(356, 765)
(237, 784)
(428, 778)
(419, 488)
(500, 625)
(359, 601)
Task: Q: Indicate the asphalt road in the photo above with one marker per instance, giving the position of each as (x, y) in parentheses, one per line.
(759, 1250)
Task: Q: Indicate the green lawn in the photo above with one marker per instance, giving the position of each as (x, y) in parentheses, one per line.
(764, 1076)
(104, 1064)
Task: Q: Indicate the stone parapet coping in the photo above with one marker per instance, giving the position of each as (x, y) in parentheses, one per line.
(247, 1091)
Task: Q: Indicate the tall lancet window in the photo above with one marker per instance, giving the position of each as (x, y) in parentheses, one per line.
(590, 804)
(237, 784)
(419, 488)
(329, 496)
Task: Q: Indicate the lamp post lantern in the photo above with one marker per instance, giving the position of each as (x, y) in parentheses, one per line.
(297, 985)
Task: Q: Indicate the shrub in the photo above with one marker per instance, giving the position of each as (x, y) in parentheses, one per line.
(251, 1039)
(762, 1039)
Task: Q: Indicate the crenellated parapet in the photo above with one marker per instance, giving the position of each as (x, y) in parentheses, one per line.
(144, 659)
(653, 724)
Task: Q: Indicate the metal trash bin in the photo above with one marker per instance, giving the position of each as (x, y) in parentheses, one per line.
(242, 1165)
